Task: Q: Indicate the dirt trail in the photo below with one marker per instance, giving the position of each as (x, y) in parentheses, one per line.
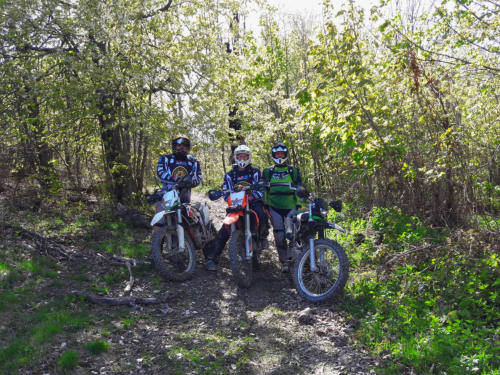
(277, 331)
(210, 326)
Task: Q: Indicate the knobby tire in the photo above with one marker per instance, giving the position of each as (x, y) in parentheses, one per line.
(242, 269)
(340, 271)
(166, 263)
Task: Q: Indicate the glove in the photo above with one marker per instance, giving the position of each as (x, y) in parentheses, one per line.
(184, 184)
(302, 192)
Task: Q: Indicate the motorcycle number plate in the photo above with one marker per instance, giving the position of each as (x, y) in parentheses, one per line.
(170, 197)
(237, 198)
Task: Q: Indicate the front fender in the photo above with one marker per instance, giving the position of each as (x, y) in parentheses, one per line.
(232, 218)
(337, 227)
(158, 217)
(320, 225)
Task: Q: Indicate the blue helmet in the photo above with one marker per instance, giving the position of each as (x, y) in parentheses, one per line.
(181, 141)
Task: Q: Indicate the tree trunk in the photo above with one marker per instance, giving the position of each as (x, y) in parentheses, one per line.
(116, 149)
(38, 152)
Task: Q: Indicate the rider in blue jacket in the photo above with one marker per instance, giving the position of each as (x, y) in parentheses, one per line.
(242, 174)
(179, 168)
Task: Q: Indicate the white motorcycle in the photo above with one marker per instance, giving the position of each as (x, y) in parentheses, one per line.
(181, 229)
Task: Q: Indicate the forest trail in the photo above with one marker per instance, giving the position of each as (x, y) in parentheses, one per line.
(208, 325)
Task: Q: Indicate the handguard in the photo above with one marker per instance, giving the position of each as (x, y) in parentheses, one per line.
(213, 195)
(232, 217)
(301, 191)
(336, 205)
(155, 197)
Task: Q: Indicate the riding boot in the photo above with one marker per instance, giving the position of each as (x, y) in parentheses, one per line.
(210, 265)
(282, 254)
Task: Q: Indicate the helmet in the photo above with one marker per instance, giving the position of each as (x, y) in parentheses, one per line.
(242, 149)
(181, 141)
(280, 146)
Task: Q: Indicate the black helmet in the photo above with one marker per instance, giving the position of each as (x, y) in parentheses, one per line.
(280, 146)
(181, 141)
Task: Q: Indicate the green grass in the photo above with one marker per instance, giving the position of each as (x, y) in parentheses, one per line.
(38, 320)
(69, 360)
(37, 329)
(4, 271)
(35, 319)
(436, 311)
(97, 347)
(210, 352)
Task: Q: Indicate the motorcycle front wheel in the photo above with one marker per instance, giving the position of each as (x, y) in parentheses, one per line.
(173, 264)
(241, 267)
(331, 275)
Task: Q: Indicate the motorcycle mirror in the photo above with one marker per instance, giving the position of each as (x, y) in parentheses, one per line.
(336, 205)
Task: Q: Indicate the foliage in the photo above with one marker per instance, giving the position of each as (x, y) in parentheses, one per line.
(68, 360)
(399, 229)
(434, 303)
(398, 116)
(97, 347)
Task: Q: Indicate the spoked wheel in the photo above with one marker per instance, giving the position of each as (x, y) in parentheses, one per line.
(242, 268)
(171, 263)
(330, 277)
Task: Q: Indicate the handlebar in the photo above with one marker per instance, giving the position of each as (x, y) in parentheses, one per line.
(213, 195)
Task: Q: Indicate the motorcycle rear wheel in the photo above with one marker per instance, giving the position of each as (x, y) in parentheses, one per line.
(172, 264)
(242, 268)
(331, 276)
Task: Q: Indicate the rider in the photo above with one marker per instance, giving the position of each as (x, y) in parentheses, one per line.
(179, 169)
(242, 174)
(279, 196)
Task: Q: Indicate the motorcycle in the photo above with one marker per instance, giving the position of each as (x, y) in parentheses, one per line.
(245, 240)
(320, 265)
(181, 229)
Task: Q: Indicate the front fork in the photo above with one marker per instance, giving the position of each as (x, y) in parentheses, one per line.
(312, 256)
(180, 231)
(248, 234)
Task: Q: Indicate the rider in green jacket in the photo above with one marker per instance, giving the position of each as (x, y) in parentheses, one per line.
(280, 197)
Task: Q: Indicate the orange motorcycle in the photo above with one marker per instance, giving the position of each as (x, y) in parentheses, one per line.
(244, 241)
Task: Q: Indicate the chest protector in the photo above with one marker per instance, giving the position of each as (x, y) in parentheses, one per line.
(279, 194)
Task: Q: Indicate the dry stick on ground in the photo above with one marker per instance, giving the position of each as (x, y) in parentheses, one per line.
(130, 283)
(409, 251)
(128, 262)
(113, 301)
(44, 244)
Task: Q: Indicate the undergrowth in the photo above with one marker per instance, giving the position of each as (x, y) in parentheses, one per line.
(426, 299)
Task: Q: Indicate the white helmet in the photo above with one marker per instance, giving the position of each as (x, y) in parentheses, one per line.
(242, 149)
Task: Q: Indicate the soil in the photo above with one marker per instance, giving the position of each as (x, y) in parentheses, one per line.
(208, 325)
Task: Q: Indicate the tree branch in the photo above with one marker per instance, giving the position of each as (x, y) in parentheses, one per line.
(114, 301)
(155, 12)
(458, 59)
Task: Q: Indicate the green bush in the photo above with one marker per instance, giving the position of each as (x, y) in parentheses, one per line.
(436, 309)
(69, 360)
(399, 229)
(97, 347)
